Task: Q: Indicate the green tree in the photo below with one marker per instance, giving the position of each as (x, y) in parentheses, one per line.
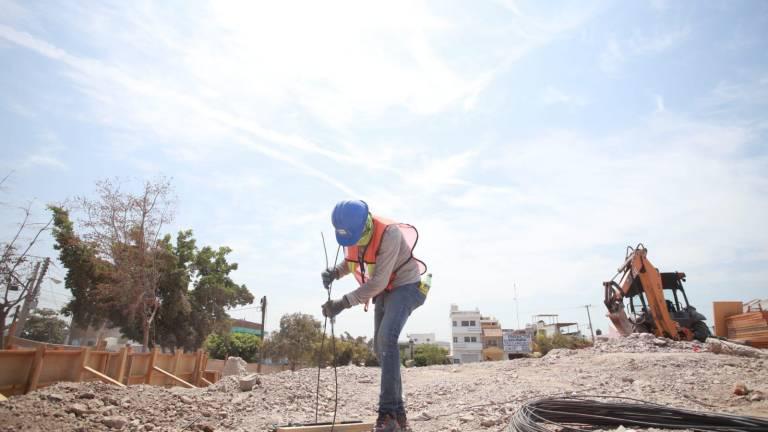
(298, 339)
(85, 272)
(44, 325)
(429, 354)
(243, 345)
(194, 287)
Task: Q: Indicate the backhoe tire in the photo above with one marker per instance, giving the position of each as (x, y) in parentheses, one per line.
(700, 331)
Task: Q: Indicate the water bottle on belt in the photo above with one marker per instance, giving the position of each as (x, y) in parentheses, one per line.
(426, 283)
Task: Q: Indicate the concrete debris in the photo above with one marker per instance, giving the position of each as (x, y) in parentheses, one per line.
(226, 384)
(79, 409)
(468, 398)
(740, 389)
(718, 346)
(114, 422)
(234, 366)
(247, 382)
(647, 342)
(55, 397)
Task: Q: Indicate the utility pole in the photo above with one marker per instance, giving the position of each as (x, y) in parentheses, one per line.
(33, 290)
(590, 323)
(517, 307)
(263, 331)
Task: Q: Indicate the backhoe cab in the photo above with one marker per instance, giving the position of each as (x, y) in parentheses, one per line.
(653, 301)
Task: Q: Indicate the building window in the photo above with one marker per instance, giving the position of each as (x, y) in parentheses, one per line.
(472, 323)
(455, 339)
(465, 323)
(454, 323)
(473, 339)
(427, 339)
(466, 338)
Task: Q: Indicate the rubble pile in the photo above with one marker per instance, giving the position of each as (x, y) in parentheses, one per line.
(469, 397)
(647, 342)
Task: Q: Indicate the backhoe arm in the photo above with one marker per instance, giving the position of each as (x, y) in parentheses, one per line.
(637, 266)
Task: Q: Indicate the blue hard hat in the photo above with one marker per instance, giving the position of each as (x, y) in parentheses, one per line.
(349, 218)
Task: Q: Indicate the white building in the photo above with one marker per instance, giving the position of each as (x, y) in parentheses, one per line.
(467, 344)
(549, 325)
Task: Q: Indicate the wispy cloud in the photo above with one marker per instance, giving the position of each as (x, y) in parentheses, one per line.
(105, 82)
(617, 52)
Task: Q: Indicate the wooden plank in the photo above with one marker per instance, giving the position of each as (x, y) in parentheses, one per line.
(83, 361)
(206, 382)
(122, 358)
(104, 362)
(176, 361)
(103, 377)
(151, 366)
(723, 310)
(37, 368)
(3, 398)
(198, 371)
(211, 376)
(173, 377)
(339, 427)
(15, 353)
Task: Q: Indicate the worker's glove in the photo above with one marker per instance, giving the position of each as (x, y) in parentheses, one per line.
(331, 308)
(329, 275)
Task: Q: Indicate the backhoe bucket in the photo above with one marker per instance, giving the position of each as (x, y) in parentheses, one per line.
(621, 322)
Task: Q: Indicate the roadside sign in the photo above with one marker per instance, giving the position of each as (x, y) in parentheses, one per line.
(516, 342)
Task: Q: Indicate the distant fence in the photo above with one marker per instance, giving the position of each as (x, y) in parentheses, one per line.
(24, 368)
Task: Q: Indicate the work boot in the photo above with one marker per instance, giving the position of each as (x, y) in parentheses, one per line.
(402, 421)
(386, 423)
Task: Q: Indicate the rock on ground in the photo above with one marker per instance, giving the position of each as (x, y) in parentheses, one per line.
(234, 366)
(470, 397)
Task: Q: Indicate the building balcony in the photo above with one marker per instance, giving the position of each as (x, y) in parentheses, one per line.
(467, 346)
(458, 330)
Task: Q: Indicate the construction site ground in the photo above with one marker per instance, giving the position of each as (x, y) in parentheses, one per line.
(470, 397)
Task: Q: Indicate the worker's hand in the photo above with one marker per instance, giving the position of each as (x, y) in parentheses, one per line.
(329, 275)
(331, 308)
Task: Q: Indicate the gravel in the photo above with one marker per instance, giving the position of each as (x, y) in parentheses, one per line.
(470, 397)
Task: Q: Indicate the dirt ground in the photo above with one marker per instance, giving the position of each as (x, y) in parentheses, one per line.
(471, 397)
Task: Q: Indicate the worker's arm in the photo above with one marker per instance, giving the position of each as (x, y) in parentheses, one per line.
(342, 269)
(385, 263)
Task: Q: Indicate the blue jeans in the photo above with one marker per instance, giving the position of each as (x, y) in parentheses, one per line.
(392, 311)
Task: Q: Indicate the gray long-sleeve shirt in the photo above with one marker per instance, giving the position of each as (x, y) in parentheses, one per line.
(393, 252)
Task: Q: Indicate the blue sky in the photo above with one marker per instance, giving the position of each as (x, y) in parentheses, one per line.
(529, 142)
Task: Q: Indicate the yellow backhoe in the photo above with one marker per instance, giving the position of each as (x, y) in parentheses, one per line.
(653, 301)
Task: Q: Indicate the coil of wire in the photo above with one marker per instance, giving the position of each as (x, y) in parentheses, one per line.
(582, 413)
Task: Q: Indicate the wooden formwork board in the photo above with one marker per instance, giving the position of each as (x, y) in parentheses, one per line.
(24, 370)
(14, 373)
(340, 427)
(59, 366)
(721, 311)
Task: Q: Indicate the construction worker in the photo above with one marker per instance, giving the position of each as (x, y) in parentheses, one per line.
(379, 252)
